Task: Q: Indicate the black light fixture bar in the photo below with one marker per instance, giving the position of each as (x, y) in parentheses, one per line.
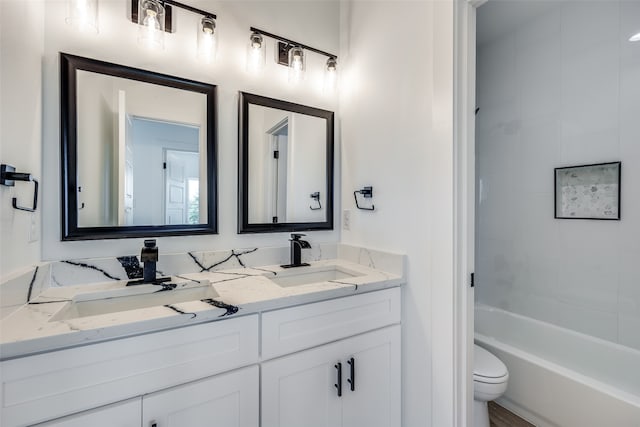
(190, 8)
(293, 43)
(168, 27)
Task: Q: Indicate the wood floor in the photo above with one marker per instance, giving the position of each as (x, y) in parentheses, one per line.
(500, 417)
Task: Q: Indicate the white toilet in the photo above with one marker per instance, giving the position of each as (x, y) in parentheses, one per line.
(490, 378)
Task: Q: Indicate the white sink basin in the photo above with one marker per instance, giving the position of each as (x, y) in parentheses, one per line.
(306, 275)
(122, 301)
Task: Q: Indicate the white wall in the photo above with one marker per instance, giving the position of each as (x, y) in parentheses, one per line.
(306, 169)
(560, 89)
(116, 43)
(97, 128)
(396, 111)
(21, 47)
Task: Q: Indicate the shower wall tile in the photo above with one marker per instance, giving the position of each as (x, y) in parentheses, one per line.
(629, 293)
(629, 327)
(591, 322)
(593, 287)
(588, 24)
(540, 146)
(564, 89)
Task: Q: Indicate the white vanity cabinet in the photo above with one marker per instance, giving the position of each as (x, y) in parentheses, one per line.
(229, 399)
(273, 369)
(350, 382)
(313, 388)
(53, 385)
(123, 414)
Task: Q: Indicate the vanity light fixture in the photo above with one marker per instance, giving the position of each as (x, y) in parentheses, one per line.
(635, 38)
(155, 17)
(83, 15)
(331, 75)
(255, 53)
(292, 54)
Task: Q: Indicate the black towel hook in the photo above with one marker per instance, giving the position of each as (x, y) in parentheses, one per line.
(367, 193)
(8, 176)
(316, 196)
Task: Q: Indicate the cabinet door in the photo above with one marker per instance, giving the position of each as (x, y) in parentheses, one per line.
(299, 390)
(124, 414)
(229, 399)
(375, 399)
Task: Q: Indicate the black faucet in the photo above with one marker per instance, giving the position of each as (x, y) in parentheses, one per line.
(296, 251)
(149, 256)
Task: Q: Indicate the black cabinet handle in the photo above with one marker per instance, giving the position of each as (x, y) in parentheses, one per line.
(338, 367)
(153, 424)
(352, 373)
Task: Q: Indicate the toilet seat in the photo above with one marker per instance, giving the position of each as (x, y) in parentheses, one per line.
(487, 368)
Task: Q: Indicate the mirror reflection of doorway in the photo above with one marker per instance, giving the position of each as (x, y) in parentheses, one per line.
(182, 201)
(166, 176)
(278, 137)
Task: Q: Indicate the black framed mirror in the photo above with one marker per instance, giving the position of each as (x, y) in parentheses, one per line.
(138, 152)
(285, 166)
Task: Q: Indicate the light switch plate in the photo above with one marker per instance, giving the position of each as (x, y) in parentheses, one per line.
(34, 231)
(346, 219)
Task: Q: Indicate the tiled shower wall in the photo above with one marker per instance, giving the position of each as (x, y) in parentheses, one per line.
(561, 89)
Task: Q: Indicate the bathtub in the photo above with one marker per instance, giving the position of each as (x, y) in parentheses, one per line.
(558, 377)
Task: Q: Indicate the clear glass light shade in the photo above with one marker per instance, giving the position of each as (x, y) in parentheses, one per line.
(296, 64)
(635, 38)
(83, 15)
(151, 32)
(207, 39)
(255, 53)
(331, 75)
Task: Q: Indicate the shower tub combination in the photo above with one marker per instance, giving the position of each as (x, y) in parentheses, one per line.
(558, 377)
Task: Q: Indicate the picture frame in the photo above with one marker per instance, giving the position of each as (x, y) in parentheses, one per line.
(588, 191)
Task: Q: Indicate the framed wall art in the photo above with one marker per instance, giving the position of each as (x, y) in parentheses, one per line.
(588, 191)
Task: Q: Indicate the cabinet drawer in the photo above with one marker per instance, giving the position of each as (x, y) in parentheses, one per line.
(292, 329)
(51, 385)
(124, 414)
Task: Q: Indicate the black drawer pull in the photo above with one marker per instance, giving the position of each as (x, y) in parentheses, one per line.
(338, 367)
(352, 373)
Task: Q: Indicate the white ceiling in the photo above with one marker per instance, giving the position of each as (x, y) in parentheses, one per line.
(498, 17)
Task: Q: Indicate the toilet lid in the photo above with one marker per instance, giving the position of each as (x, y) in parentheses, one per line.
(487, 367)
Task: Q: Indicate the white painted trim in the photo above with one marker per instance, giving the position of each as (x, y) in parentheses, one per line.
(476, 4)
(464, 205)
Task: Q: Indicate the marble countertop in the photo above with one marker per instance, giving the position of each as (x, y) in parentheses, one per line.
(62, 317)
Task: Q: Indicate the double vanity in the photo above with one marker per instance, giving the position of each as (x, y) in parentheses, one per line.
(232, 336)
(251, 337)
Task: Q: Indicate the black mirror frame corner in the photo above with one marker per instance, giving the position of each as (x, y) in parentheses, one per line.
(70, 230)
(243, 165)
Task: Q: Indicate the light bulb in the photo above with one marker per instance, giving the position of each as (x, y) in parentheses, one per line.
(635, 38)
(207, 39)
(255, 53)
(83, 15)
(331, 75)
(151, 33)
(296, 64)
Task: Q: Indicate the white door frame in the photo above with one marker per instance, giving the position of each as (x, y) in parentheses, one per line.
(464, 204)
